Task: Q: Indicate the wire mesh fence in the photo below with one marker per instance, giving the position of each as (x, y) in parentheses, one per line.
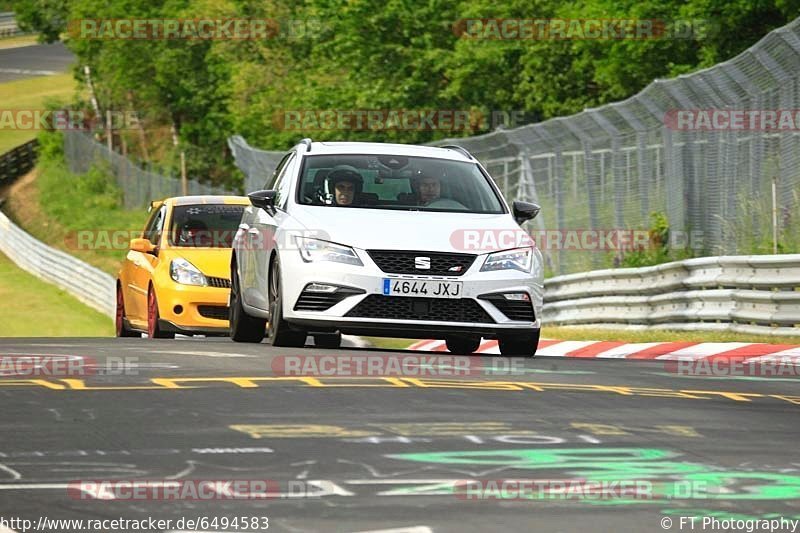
(612, 166)
(139, 186)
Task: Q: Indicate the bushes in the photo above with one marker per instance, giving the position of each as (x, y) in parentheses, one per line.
(658, 249)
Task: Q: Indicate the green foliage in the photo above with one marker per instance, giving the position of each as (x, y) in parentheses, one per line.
(47, 17)
(658, 250)
(51, 145)
(87, 202)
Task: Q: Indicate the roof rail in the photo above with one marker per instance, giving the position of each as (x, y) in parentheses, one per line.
(307, 142)
(458, 149)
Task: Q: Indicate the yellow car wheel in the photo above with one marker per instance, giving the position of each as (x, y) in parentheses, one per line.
(121, 329)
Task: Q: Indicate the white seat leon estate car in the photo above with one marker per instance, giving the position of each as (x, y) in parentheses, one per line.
(385, 240)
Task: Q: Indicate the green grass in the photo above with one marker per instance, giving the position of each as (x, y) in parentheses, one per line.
(58, 204)
(41, 309)
(90, 202)
(18, 40)
(31, 93)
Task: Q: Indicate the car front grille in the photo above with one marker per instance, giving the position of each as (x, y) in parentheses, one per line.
(322, 301)
(409, 308)
(219, 312)
(404, 262)
(513, 309)
(218, 282)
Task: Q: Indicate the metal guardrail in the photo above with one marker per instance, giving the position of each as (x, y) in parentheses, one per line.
(88, 284)
(748, 294)
(8, 25)
(18, 161)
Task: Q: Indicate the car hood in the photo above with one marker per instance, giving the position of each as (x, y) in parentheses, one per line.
(411, 230)
(214, 262)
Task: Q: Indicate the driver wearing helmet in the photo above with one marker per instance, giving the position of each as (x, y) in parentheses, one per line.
(194, 233)
(346, 184)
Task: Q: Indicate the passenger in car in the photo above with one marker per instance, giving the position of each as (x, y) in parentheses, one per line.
(426, 189)
(429, 187)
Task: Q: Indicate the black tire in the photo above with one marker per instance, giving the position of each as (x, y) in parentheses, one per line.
(520, 345)
(463, 344)
(328, 340)
(121, 330)
(243, 327)
(280, 333)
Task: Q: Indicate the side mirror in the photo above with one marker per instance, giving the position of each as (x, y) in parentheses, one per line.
(524, 211)
(142, 245)
(264, 199)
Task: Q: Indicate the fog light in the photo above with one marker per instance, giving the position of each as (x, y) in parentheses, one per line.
(320, 287)
(517, 296)
(178, 309)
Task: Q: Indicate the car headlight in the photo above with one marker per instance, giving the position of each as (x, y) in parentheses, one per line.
(186, 273)
(517, 259)
(316, 250)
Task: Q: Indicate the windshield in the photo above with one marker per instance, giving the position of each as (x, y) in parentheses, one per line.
(204, 225)
(396, 182)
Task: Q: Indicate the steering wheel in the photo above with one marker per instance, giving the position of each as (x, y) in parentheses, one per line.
(446, 203)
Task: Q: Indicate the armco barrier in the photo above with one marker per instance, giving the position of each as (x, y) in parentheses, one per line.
(749, 294)
(8, 25)
(17, 161)
(91, 286)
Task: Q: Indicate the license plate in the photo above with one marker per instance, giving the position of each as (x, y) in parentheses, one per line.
(422, 288)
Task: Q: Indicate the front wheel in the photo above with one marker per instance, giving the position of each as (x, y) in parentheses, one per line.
(244, 328)
(121, 329)
(463, 344)
(328, 340)
(280, 332)
(520, 344)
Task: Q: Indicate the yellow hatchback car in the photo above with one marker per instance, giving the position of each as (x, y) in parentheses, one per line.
(176, 277)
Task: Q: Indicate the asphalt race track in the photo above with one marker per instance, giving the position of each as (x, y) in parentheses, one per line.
(398, 452)
(39, 60)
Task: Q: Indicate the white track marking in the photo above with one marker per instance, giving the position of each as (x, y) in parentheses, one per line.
(705, 349)
(560, 349)
(204, 354)
(28, 72)
(624, 350)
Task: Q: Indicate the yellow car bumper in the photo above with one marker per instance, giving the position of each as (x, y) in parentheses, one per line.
(192, 309)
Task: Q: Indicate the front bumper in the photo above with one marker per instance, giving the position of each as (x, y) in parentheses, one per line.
(202, 309)
(368, 279)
